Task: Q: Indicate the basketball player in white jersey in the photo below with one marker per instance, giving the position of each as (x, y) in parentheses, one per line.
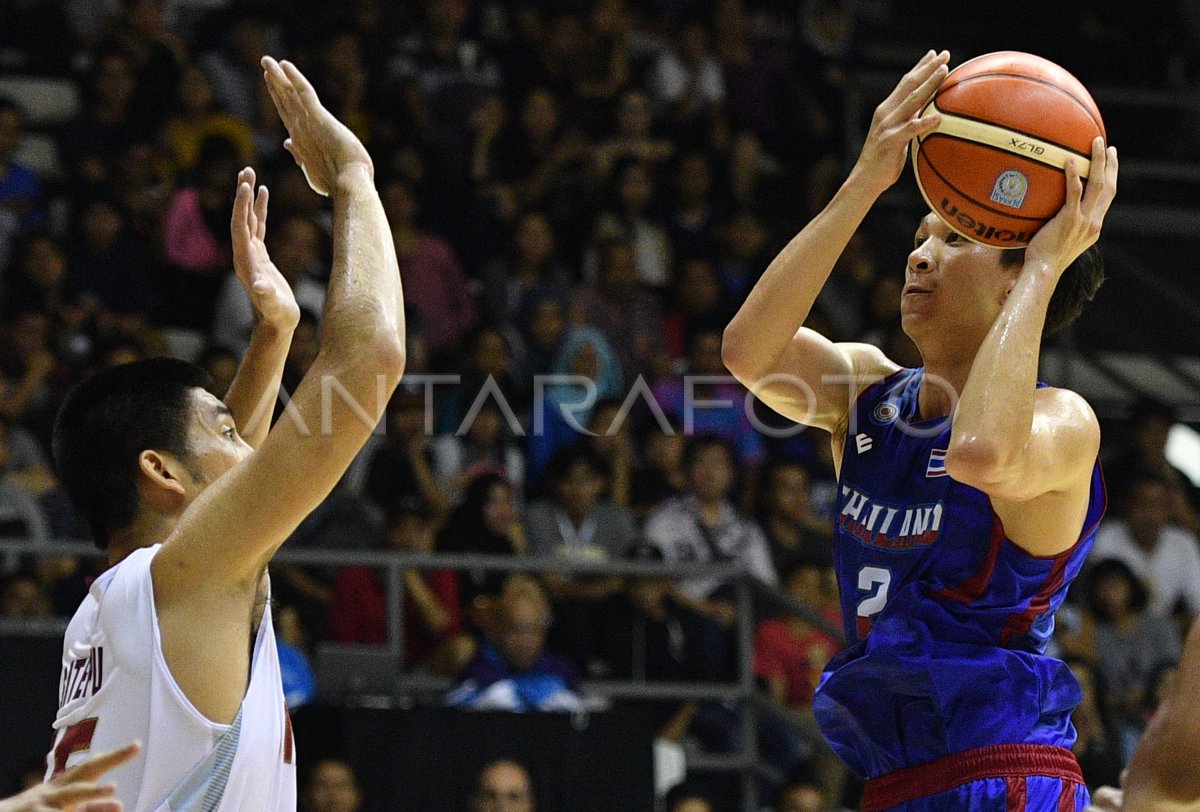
(173, 645)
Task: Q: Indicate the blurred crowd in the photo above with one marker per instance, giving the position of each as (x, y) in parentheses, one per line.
(578, 188)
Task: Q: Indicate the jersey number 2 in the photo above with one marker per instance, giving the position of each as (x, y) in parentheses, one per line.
(876, 581)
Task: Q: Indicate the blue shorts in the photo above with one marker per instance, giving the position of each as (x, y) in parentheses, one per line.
(1003, 778)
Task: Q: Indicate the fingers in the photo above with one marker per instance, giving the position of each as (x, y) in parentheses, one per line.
(281, 91)
(76, 793)
(303, 88)
(1074, 183)
(260, 213)
(921, 74)
(97, 765)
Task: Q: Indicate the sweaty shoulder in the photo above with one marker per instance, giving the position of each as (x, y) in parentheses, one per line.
(868, 365)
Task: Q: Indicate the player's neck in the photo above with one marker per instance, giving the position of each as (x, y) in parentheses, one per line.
(943, 383)
(144, 532)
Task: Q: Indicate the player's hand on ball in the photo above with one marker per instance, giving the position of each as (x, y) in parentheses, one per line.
(271, 296)
(322, 146)
(1076, 227)
(75, 790)
(898, 120)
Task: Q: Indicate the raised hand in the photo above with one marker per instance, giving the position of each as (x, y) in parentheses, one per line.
(1077, 225)
(271, 296)
(75, 790)
(322, 146)
(898, 120)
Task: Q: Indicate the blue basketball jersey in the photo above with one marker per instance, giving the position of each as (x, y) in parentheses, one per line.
(946, 619)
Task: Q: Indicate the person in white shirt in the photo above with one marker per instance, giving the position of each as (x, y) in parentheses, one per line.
(191, 497)
(1165, 556)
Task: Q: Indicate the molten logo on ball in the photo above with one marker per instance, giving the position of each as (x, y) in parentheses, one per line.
(1010, 188)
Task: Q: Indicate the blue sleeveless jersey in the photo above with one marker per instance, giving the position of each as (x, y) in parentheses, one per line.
(946, 620)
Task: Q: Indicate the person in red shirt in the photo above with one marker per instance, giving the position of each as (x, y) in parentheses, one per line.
(433, 618)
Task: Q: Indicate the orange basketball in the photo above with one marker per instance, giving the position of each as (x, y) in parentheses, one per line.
(993, 168)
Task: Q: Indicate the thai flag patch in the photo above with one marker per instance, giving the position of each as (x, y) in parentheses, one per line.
(937, 463)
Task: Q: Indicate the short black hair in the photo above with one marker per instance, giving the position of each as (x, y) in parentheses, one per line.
(1076, 287)
(564, 460)
(107, 421)
(1139, 595)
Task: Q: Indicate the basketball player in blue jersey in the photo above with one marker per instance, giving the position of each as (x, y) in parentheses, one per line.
(968, 493)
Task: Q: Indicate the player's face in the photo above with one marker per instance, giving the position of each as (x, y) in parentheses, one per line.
(953, 288)
(214, 440)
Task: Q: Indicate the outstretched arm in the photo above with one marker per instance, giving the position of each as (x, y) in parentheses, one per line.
(1011, 440)
(252, 394)
(767, 338)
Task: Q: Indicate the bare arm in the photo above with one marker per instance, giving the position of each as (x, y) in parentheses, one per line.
(252, 394)
(767, 338)
(1013, 441)
(233, 528)
(76, 789)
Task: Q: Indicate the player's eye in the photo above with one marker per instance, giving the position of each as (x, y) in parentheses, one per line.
(230, 433)
(952, 237)
(917, 240)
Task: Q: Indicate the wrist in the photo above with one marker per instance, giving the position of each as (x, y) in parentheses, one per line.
(352, 176)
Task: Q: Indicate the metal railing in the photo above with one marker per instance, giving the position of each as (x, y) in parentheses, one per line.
(752, 704)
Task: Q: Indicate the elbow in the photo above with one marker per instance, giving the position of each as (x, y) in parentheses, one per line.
(390, 355)
(975, 462)
(735, 356)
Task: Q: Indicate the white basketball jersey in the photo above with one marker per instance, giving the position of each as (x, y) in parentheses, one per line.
(116, 687)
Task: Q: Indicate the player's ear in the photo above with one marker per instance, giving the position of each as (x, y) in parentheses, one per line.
(162, 471)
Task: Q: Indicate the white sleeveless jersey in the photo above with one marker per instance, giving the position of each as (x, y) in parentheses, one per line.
(116, 687)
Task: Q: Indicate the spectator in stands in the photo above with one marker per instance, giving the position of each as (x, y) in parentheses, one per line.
(433, 614)
(332, 787)
(659, 474)
(504, 786)
(486, 364)
(107, 123)
(37, 281)
(532, 267)
(438, 290)
(542, 326)
(1124, 640)
(627, 218)
(584, 367)
(632, 137)
(221, 363)
(195, 236)
(610, 439)
(793, 528)
(296, 248)
(20, 514)
(513, 671)
(716, 403)
(23, 597)
(578, 522)
(109, 264)
(402, 467)
(484, 442)
(698, 306)
(649, 633)
(196, 116)
(293, 642)
(233, 68)
(1164, 555)
(790, 651)
(692, 218)
(687, 798)
(687, 81)
(485, 521)
(629, 317)
(803, 794)
(1097, 745)
(703, 525)
(1145, 453)
(20, 189)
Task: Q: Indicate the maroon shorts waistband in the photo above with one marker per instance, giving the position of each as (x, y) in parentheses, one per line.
(943, 775)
